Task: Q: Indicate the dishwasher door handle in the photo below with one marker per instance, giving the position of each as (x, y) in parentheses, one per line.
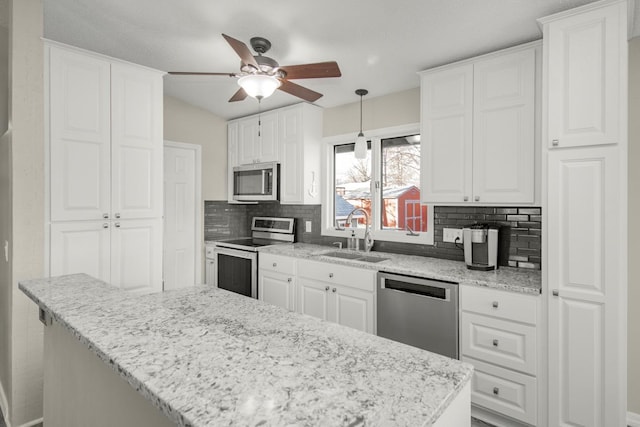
(425, 288)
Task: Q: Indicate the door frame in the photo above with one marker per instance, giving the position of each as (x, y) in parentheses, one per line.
(199, 241)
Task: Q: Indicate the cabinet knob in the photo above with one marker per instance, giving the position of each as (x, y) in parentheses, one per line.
(289, 279)
(466, 198)
(105, 216)
(105, 225)
(494, 304)
(330, 274)
(333, 290)
(477, 198)
(117, 215)
(496, 391)
(117, 225)
(555, 292)
(326, 288)
(495, 343)
(275, 264)
(555, 142)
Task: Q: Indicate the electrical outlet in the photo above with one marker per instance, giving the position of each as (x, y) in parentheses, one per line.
(451, 234)
(307, 226)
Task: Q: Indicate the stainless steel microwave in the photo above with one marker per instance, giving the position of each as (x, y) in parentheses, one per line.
(256, 182)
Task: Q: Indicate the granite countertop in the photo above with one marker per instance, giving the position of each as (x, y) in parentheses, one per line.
(206, 356)
(505, 278)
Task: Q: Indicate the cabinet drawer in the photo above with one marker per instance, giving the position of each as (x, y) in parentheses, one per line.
(504, 391)
(508, 344)
(505, 305)
(277, 263)
(359, 278)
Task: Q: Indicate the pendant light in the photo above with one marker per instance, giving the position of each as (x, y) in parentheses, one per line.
(360, 150)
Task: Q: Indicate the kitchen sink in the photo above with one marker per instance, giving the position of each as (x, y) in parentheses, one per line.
(354, 256)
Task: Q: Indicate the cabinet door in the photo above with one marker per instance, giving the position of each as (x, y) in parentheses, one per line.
(277, 289)
(586, 77)
(504, 128)
(587, 316)
(136, 255)
(80, 136)
(267, 148)
(81, 247)
(353, 308)
(248, 140)
(291, 168)
(446, 98)
(136, 142)
(209, 272)
(232, 157)
(313, 298)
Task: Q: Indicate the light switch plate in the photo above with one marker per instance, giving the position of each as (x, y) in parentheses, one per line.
(449, 235)
(307, 226)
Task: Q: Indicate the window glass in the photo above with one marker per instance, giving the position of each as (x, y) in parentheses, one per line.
(400, 183)
(352, 183)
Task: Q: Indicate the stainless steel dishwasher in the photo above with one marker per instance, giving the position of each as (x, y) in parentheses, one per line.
(419, 312)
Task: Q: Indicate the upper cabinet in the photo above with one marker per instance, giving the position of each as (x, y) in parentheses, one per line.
(479, 129)
(290, 136)
(583, 59)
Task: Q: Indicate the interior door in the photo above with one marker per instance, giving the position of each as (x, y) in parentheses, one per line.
(181, 164)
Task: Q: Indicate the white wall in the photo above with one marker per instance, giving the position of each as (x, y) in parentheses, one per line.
(377, 112)
(186, 123)
(4, 74)
(633, 356)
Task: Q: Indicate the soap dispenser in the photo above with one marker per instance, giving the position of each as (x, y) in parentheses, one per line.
(352, 242)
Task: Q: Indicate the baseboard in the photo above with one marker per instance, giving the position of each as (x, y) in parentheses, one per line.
(4, 405)
(633, 419)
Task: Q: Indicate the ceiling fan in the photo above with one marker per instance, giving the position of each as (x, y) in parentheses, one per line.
(261, 75)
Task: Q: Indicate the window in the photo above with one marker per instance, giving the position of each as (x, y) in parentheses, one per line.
(386, 185)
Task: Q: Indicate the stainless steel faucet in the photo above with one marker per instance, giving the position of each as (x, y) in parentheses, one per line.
(368, 240)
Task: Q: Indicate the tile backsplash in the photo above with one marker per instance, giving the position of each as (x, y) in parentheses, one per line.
(520, 242)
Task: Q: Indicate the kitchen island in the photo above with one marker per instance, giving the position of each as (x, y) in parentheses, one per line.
(203, 356)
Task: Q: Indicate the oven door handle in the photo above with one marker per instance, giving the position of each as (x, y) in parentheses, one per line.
(234, 252)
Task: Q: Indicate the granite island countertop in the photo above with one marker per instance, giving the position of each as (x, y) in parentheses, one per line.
(206, 356)
(505, 278)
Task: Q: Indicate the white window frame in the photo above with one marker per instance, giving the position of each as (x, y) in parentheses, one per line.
(328, 190)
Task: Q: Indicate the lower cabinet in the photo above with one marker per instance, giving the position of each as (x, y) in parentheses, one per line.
(499, 335)
(209, 270)
(277, 280)
(126, 253)
(337, 293)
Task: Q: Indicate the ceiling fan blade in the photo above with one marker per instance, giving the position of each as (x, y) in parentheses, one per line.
(299, 91)
(240, 95)
(242, 50)
(189, 73)
(312, 71)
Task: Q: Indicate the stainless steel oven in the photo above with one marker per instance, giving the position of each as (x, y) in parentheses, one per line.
(256, 182)
(236, 260)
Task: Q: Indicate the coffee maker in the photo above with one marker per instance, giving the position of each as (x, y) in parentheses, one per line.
(480, 247)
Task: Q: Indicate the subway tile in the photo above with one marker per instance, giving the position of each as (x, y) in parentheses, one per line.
(517, 217)
(529, 211)
(506, 211)
(529, 225)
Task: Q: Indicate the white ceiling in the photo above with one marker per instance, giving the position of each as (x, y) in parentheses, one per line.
(378, 44)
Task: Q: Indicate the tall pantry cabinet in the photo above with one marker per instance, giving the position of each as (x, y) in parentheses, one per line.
(585, 147)
(105, 168)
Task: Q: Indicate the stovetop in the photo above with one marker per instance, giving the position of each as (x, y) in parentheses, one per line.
(247, 241)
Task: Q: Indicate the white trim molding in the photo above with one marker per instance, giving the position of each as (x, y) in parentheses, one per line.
(633, 419)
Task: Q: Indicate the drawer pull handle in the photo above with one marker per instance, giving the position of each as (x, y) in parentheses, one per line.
(326, 288)
(495, 343)
(496, 391)
(555, 142)
(275, 264)
(333, 290)
(330, 274)
(495, 304)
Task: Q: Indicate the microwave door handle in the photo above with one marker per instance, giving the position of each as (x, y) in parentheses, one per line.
(264, 182)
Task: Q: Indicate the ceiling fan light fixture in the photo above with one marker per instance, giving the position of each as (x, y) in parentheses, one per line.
(259, 86)
(360, 149)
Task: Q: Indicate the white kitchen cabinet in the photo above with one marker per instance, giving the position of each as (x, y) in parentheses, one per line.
(105, 163)
(337, 293)
(500, 336)
(300, 134)
(80, 136)
(478, 127)
(125, 253)
(209, 271)
(232, 157)
(586, 146)
(585, 56)
(258, 138)
(277, 280)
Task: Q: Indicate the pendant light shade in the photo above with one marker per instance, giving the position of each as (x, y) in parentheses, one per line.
(259, 86)
(360, 150)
